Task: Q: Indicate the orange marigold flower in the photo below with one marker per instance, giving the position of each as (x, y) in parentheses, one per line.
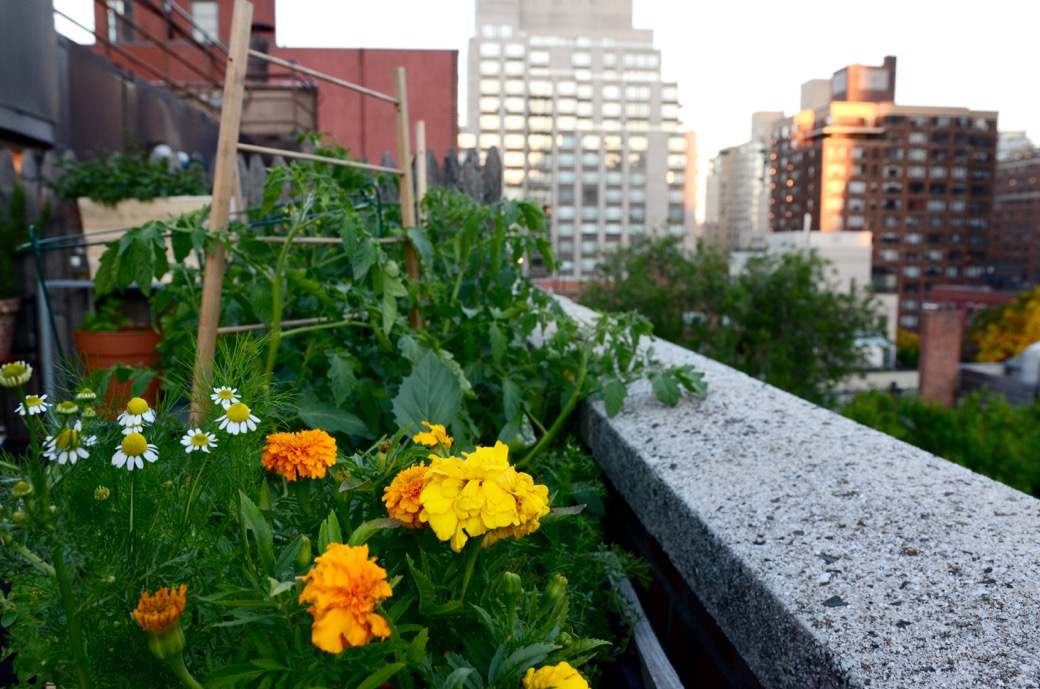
(305, 453)
(345, 587)
(159, 613)
(437, 435)
(402, 496)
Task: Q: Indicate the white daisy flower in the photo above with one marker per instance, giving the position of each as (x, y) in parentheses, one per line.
(86, 395)
(195, 439)
(225, 396)
(69, 446)
(127, 430)
(137, 413)
(133, 448)
(33, 404)
(238, 419)
(15, 373)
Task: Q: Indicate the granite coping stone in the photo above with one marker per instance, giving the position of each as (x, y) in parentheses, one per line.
(830, 554)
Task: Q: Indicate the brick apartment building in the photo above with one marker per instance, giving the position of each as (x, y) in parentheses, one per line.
(1015, 249)
(165, 43)
(921, 179)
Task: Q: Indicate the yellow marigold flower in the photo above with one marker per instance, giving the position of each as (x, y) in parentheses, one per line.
(482, 494)
(345, 587)
(561, 676)
(437, 435)
(158, 613)
(305, 453)
(402, 496)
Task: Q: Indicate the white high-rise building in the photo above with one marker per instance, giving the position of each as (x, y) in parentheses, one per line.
(571, 95)
(737, 198)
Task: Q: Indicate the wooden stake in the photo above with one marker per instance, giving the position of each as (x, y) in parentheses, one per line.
(224, 183)
(404, 153)
(420, 166)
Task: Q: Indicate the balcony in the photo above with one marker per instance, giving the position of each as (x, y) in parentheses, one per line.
(828, 554)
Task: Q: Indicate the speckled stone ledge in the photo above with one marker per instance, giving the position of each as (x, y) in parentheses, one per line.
(831, 555)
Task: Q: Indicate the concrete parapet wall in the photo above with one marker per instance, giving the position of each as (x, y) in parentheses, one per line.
(831, 555)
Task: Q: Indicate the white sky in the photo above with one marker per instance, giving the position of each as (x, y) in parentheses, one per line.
(731, 58)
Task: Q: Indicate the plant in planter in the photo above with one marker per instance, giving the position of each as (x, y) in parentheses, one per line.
(108, 340)
(116, 190)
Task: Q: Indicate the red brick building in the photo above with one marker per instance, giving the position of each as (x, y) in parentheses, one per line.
(162, 42)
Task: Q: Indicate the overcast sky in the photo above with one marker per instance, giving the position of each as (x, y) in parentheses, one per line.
(731, 58)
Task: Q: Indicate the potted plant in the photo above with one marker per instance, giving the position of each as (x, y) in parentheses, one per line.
(108, 339)
(118, 190)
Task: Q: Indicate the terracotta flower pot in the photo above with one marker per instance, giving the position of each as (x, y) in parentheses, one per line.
(134, 346)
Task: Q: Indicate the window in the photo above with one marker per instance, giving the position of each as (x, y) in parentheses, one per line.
(581, 60)
(490, 68)
(120, 12)
(207, 24)
(857, 187)
(917, 154)
(539, 57)
(486, 49)
(515, 50)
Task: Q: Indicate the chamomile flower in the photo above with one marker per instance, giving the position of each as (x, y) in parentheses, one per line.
(238, 419)
(33, 404)
(137, 413)
(89, 413)
(15, 373)
(86, 395)
(225, 396)
(66, 408)
(133, 448)
(196, 439)
(68, 446)
(127, 430)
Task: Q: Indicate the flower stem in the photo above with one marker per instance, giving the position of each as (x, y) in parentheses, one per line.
(565, 413)
(472, 551)
(176, 664)
(33, 558)
(302, 490)
(79, 651)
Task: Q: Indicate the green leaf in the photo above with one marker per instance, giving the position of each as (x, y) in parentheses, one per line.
(317, 413)
(421, 242)
(366, 530)
(381, 675)
(268, 664)
(341, 375)
(417, 649)
(614, 397)
(232, 675)
(559, 513)
(458, 677)
(666, 387)
(329, 532)
(254, 519)
(498, 342)
(519, 661)
(431, 392)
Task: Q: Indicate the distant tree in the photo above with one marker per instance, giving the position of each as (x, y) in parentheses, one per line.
(908, 347)
(1005, 331)
(778, 320)
(984, 432)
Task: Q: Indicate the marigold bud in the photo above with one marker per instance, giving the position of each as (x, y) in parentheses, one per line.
(304, 554)
(554, 591)
(511, 588)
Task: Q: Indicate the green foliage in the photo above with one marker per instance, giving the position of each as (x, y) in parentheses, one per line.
(111, 177)
(356, 356)
(779, 320)
(108, 316)
(984, 432)
(14, 231)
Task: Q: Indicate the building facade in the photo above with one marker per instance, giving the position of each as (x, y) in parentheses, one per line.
(572, 96)
(1015, 249)
(919, 178)
(183, 48)
(736, 216)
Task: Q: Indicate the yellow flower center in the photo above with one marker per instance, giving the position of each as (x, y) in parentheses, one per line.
(134, 445)
(13, 370)
(238, 412)
(32, 401)
(136, 406)
(200, 440)
(66, 439)
(225, 393)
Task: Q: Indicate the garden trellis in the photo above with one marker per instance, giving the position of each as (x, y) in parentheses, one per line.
(226, 186)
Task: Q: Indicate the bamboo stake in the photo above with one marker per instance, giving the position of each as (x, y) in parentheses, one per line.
(404, 151)
(319, 75)
(420, 166)
(250, 148)
(225, 173)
